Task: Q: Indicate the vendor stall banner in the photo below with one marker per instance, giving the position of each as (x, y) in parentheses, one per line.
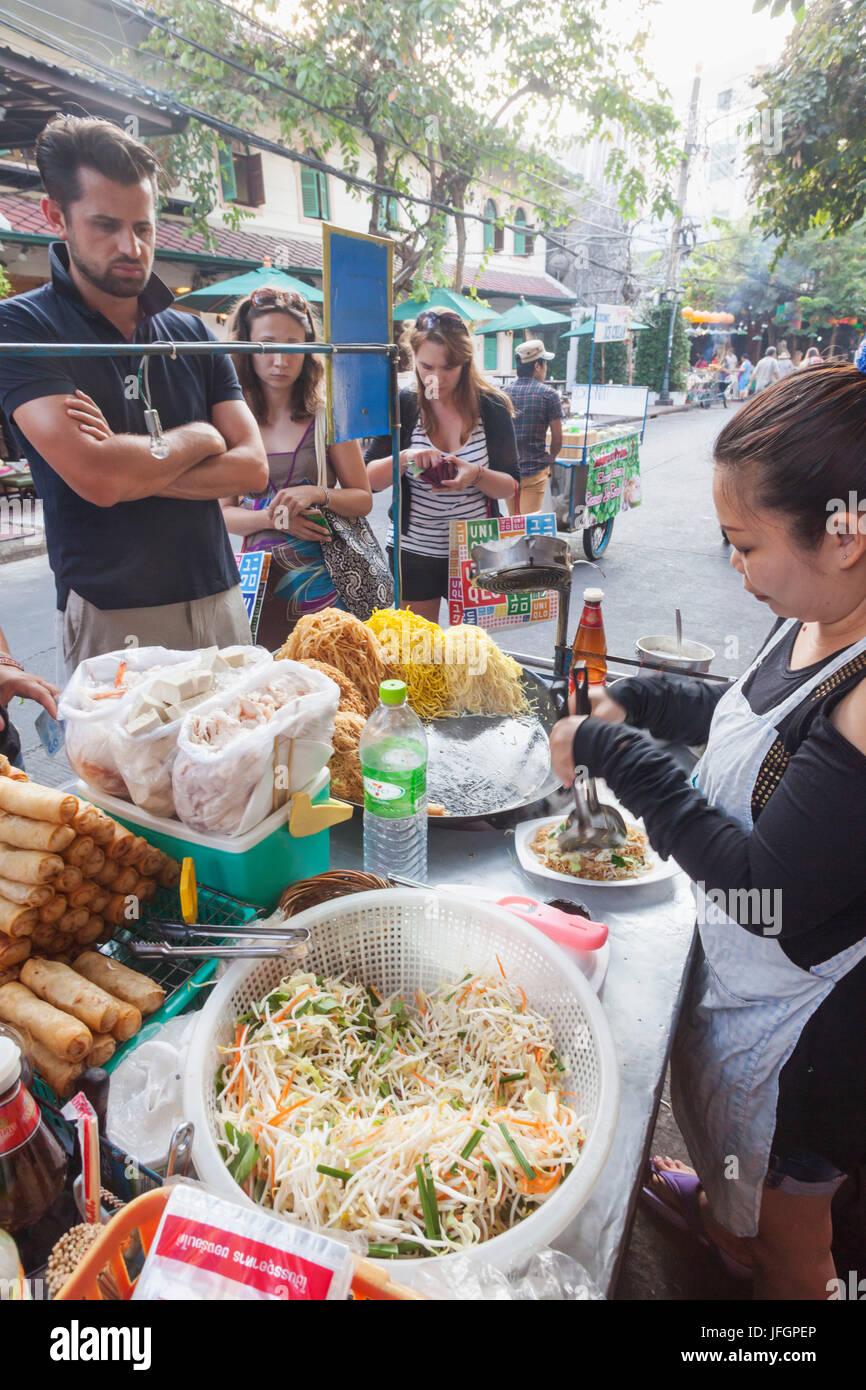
(613, 483)
(611, 322)
(469, 604)
(253, 569)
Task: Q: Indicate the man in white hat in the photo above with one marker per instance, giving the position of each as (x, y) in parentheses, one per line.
(536, 407)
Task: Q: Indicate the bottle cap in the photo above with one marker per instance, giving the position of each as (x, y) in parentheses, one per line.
(392, 692)
(593, 595)
(10, 1063)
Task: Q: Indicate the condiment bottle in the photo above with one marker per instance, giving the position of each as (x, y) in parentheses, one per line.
(32, 1163)
(590, 638)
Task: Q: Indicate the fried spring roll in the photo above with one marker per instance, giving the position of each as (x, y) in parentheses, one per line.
(13, 949)
(53, 910)
(69, 878)
(34, 834)
(28, 865)
(103, 1047)
(16, 920)
(92, 929)
(61, 1076)
(120, 981)
(68, 990)
(79, 851)
(27, 894)
(72, 920)
(107, 874)
(94, 863)
(65, 1036)
(37, 803)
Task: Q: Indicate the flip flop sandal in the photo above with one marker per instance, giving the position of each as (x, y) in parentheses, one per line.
(686, 1215)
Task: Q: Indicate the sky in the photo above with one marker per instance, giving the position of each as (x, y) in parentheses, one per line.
(727, 37)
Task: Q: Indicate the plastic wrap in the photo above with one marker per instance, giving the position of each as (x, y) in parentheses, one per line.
(550, 1276)
(89, 722)
(227, 788)
(145, 761)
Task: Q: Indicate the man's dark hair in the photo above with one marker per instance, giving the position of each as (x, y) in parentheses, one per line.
(70, 143)
(525, 369)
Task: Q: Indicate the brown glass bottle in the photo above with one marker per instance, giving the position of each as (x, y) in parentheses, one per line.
(32, 1163)
(590, 638)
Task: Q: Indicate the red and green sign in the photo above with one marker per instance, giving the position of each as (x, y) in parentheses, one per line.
(613, 482)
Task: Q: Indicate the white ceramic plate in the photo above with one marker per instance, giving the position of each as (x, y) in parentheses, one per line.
(593, 963)
(524, 834)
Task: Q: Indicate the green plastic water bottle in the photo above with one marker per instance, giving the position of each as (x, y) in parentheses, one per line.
(393, 754)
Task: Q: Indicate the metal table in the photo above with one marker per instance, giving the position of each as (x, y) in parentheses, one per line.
(651, 935)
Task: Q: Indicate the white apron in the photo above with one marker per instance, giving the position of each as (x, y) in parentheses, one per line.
(747, 1003)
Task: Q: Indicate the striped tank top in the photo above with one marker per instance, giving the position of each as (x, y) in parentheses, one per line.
(432, 511)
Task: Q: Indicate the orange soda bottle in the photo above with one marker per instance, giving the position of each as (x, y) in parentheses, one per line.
(590, 638)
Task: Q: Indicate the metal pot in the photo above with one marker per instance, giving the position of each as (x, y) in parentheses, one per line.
(659, 647)
(521, 552)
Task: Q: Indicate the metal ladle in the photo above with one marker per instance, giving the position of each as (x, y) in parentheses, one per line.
(592, 824)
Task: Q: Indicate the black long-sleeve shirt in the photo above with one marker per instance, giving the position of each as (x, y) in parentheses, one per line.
(808, 838)
(807, 842)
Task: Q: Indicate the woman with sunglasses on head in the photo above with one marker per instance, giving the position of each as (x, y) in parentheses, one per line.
(458, 454)
(768, 1081)
(284, 392)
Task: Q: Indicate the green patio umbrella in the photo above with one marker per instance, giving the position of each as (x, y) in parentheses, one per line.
(523, 315)
(585, 329)
(473, 310)
(218, 298)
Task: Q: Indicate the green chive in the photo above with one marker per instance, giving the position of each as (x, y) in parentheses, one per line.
(489, 1168)
(342, 1173)
(383, 1251)
(521, 1159)
(359, 1153)
(512, 1076)
(425, 1200)
(431, 1189)
(473, 1142)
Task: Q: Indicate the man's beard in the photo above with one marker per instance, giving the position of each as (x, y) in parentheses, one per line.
(121, 286)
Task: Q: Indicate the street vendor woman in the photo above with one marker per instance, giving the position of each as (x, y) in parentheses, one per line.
(135, 535)
(452, 414)
(769, 1085)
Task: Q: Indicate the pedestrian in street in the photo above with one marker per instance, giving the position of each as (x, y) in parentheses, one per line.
(745, 376)
(786, 364)
(134, 530)
(284, 392)
(767, 371)
(769, 1087)
(15, 681)
(537, 408)
(812, 358)
(452, 416)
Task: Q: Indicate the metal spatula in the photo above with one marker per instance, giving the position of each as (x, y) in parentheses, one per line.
(592, 824)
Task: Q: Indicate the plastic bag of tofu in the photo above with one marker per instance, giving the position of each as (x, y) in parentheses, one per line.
(144, 738)
(244, 751)
(94, 701)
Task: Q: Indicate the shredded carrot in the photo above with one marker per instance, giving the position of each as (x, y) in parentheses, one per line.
(287, 1008)
(424, 1079)
(466, 991)
(281, 1114)
(376, 992)
(571, 1093)
(287, 1088)
(121, 672)
(108, 695)
(541, 1183)
(523, 997)
(420, 1002)
(501, 971)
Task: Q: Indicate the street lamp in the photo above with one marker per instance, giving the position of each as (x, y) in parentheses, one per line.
(664, 396)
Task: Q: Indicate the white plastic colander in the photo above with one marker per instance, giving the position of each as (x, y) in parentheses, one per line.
(407, 939)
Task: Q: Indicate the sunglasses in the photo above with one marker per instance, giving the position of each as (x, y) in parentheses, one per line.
(430, 319)
(280, 299)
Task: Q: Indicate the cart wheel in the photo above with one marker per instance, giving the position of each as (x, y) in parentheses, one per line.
(596, 539)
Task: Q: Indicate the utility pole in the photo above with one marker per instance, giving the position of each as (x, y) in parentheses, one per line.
(672, 269)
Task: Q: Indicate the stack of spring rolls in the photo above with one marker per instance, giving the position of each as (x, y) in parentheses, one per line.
(72, 1018)
(69, 874)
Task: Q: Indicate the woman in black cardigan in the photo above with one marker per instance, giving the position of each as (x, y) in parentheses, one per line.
(458, 455)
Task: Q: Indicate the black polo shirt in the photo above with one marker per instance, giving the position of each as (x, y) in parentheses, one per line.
(141, 554)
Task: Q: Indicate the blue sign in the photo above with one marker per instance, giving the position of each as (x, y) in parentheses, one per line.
(253, 569)
(358, 309)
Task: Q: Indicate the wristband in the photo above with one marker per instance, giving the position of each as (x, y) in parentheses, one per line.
(327, 501)
(6, 660)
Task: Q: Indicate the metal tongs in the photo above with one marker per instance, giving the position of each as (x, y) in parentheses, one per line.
(256, 940)
(592, 824)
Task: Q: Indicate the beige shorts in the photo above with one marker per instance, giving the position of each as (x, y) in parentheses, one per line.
(84, 631)
(531, 494)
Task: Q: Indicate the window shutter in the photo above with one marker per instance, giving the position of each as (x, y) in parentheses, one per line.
(491, 345)
(324, 201)
(489, 229)
(227, 175)
(519, 237)
(310, 192)
(255, 180)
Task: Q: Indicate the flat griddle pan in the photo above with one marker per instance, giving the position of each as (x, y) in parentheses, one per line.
(492, 768)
